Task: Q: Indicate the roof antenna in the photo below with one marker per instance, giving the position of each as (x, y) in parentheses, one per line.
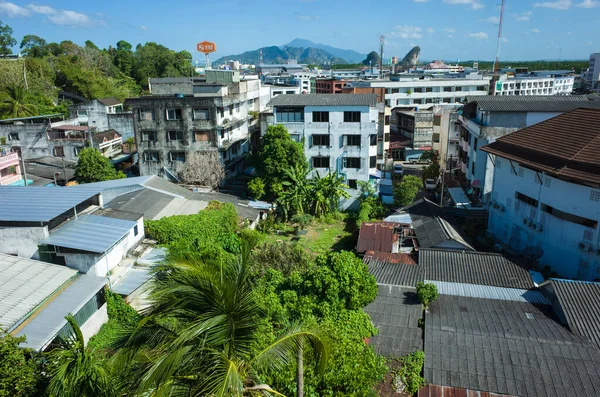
(497, 63)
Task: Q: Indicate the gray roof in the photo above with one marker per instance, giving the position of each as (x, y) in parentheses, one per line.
(489, 292)
(132, 280)
(44, 116)
(43, 328)
(145, 201)
(324, 100)
(580, 303)
(507, 347)
(481, 268)
(26, 283)
(532, 103)
(116, 183)
(38, 203)
(398, 274)
(118, 214)
(90, 233)
(396, 312)
(110, 101)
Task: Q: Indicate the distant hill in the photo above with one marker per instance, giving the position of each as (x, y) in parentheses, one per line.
(303, 51)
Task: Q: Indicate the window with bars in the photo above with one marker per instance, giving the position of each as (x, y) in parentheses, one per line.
(320, 117)
(151, 156)
(352, 140)
(320, 162)
(351, 117)
(588, 235)
(351, 162)
(148, 136)
(320, 140)
(521, 172)
(595, 195)
(547, 182)
(177, 156)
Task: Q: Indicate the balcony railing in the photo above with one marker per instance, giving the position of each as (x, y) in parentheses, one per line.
(9, 159)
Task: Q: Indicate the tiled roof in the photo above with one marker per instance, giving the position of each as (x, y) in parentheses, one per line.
(580, 303)
(399, 274)
(109, 101)
(532, 103)
(440, 391)
(481, 268)
(506, 347)
(396, 313)
(324, 100)
(542, 146)
(108, 135)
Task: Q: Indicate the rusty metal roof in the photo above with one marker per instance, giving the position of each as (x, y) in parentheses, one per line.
(376, 236)
(565, 146)
(444, 391)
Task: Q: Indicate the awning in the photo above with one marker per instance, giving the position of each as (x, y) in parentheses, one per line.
(459, 197)
(71, 128)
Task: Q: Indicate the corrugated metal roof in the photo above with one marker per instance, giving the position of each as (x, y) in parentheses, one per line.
(24, 284)
(541, 146)
(489, 292)
(324, 100)
(139, 180)
(480, 268)
(90, 233)
(399, 274)
(532, 103)
(376, 237)
(44, 327)
(39, 203)
(110, 101)
(154, 257)
(441, 391)
(399, 218)
(580, 302)
(132, 280)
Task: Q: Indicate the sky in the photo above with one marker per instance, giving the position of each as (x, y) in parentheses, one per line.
(444, 29)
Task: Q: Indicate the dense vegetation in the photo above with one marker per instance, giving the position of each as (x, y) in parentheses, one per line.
(92, 166)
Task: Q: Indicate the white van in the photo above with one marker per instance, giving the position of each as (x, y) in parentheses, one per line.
(398, 170)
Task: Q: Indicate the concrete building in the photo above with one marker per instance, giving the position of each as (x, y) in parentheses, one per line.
(289, 67)
(186, 115)
(536, 83)
(446, 136)
(10, 168)
(331, 86)
(591, 80)
(36, 297)
(410, 90)
(546, 193)
(339, 132)
(102, 115)
(284, 89)
(487, 118)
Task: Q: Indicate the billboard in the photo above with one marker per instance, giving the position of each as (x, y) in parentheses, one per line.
(206, 47)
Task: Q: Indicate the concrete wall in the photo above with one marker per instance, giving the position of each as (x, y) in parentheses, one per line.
(559, 238)
(21, 241)
(122, 123)
(95, 115)
(33, 141)
(94, 323)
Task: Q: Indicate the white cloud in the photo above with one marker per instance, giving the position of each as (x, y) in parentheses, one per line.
(309, 17)
(144, 27)
(449, 30)
(523, 17)
(64, 17)
(536, 31)
(504, 39)
(494, 20)
(430, 30)
(588, 4)
(558, 4)
(46, 10)
(476, 5)
(13, 10)
(407, 32)
(478, 35)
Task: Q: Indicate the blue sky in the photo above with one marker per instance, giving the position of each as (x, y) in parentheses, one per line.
(444, 29)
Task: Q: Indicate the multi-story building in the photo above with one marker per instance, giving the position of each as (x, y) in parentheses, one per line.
(546, 193)
(417, 125)
(185, 115)
(102, 115)
(339, 132)
(10, 169)
(487, 118)
(330, 86)
(536, 83)
(592, 76)
(446, 136)
(410, 90)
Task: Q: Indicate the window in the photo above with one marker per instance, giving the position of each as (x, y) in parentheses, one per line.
(59, 151)
(146, 114)
(547, 182)
(473, 169)
(13, 136)
(351, 117)
(429, 89)
(474, 143)
(447, 89)
(418, 89)
(526, 199)
(570, 217)
(352, 184)
(594, 195)
(373, 140)
(289, 115)
(588, 234)
(351, 162)
(428, 100)
(352, 140)
(320, 162)
(81, 113)
(173, 114)
(417, 101)
(521, 172)
(320, 140)
(174, 135)
(437, 120)
(201, 114)
(148, 136)
(395, 90)
(77, 149)
(177, 156)
(201, 136)
(320, 117)
(151, 156)
(135, 230)
(373, 162)
(387, 120)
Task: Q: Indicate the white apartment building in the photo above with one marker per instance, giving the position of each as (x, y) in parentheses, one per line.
(546, 193)
(532, 85)
(339, 132)
(410, 90)
(592, 76)
(484, 119)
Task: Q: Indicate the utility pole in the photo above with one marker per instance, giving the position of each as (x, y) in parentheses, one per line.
(381, 43)
(497, 63)
(64, 170)
(22, 162)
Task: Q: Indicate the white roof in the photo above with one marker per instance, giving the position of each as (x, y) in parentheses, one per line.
(26, 283)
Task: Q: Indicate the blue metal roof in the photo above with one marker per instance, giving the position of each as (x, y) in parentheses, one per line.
(489, 292)
(139, 180)
(90, 233)
(39, 203)
(132, 280)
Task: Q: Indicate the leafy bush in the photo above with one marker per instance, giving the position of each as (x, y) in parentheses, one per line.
(121, 318)
(427, 293)
(257, 188)
(410, 372)
(20, 372)
(364, 214)
(407, 190)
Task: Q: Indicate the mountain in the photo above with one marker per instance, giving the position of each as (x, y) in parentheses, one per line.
(274, 54)
(350, 56)
(412, 57)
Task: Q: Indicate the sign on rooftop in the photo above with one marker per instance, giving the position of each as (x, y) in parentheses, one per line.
(206, 47)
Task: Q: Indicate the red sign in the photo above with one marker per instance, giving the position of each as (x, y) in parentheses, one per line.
(206, 47)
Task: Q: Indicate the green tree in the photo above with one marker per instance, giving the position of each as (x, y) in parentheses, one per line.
(15, 102)
(432, 171)
(296, 191)
(326, 193)
(124, 57)
(257, 188)
(76, 371)
(93, 167)
(33, 46)
(406, 191)
(427, 293)
(6, 39)
(428, 155)
(20, 373)
(278, 154)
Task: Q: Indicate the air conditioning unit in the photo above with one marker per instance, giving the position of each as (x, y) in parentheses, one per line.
(584, 246)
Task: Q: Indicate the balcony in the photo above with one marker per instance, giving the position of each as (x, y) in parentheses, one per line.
(8, 160)
(10, 179)
(473, 125)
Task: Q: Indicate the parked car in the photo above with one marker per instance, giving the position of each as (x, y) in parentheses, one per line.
(398, 170)
(415, 158)
(430, 184)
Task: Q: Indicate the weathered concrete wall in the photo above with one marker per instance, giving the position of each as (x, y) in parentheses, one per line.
(122, 123)
(33, 141)
(94, 323)
(21, 241)
(96, 115)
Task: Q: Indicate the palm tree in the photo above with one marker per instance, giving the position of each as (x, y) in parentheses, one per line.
(74, 370)
(202, 330)
(297, 192)
(15, 102)
(327, 193)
